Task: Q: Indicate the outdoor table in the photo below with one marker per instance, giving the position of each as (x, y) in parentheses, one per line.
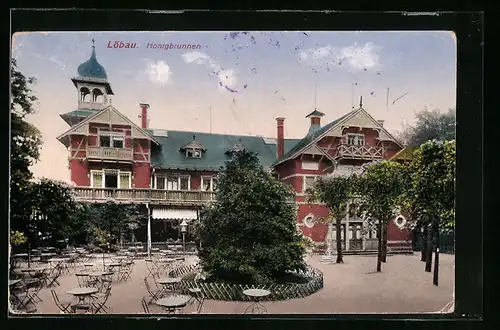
(256, 295)
(82, 293)
(168, 283)
(173, 303)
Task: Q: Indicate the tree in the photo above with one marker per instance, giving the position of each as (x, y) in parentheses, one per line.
(249, 234)
(54, 200)
(110, 220)
(335, 192)
(381, 184)
(430, 198)
(430, 125)
(24, 145)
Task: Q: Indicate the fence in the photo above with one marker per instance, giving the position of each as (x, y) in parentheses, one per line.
(234, 292)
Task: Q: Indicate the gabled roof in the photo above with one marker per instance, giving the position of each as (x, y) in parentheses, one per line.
(74, 128)
(309, 138)
(317, 133)
(170, 157)
(193, 144)
(405, 154)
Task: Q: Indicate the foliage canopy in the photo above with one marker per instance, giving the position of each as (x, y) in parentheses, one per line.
(249, 234)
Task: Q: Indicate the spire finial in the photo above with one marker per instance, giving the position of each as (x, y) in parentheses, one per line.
(93, 42)
(361, 101)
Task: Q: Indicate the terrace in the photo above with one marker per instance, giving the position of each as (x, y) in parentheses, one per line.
(351, 287)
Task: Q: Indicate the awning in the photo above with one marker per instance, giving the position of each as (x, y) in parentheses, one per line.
(180, 214)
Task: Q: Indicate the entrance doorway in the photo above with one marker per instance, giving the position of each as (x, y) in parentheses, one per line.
(111, 180)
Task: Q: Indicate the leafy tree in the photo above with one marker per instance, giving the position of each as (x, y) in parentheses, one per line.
(24, 145)
(109, 220)
(381, 186)
(430, 125)
(430, 198)
(336, 193)
(54, 200)
(249, 234)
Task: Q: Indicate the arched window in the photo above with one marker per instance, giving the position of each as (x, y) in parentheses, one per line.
(97, 96)
(84, 94)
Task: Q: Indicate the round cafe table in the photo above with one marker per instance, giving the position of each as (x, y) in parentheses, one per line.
(82, 293)
(256, 295)
(169, 283)
(173, 303)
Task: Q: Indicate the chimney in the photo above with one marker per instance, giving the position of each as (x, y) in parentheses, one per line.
(381, 122)
(144, 115)
(280, 138)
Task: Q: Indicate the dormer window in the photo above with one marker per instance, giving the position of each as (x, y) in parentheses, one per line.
(193, 153)
(193, 149)
(238, 147)
(356, 139)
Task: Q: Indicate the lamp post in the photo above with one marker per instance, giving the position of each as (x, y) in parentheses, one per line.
(183, 231)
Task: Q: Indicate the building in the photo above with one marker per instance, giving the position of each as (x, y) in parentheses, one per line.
(174, 173)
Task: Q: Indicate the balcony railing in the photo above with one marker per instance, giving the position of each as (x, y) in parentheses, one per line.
(143, 195)
(359, 152)
(110, 153)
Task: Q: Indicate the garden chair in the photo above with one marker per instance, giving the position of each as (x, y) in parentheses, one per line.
(83, 279)
(63, 306)
(99, 303)
(152, 268)
(53, 276)
(152, 294)
(196, 294)
(145, 306)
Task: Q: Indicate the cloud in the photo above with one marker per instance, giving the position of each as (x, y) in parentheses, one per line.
(226, 77)
(356, 57)
(159, 72)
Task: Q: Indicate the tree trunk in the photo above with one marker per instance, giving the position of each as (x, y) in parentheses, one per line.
(379, 254)
(424, 245)
(339, 242)
(428, 258)
(384, 242)
(436, 257)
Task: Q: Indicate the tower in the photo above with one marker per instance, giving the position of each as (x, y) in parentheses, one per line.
(92, 84)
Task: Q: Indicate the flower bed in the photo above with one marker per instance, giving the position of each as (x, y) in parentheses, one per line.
(234, 292)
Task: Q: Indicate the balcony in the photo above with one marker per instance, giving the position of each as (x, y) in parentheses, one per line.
(138, 196)
(351, 151)
(125, 154)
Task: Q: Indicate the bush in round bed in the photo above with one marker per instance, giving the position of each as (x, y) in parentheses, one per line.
(248, 235)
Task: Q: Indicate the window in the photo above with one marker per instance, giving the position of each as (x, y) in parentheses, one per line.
(184, 182)
(110, 178)
(105, 141)
(208, 183)
(309, 221)
(111, 139)
(160, 182)
(193, 153)
(400, 221)
(356, 139)
(117, 142)
(309, 182)
(173, 182)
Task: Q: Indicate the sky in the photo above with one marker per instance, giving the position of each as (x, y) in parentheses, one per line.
(239, 82)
